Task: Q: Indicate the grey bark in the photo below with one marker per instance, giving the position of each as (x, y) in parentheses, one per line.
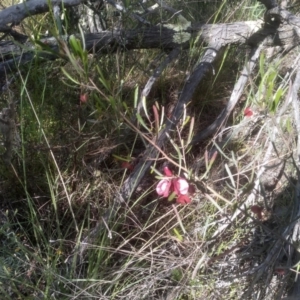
(160, 37)
(14, 14)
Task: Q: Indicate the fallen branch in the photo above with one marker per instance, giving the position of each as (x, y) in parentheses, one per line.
(156, 74)
(163, 37)
(14, 14)
(234, 98)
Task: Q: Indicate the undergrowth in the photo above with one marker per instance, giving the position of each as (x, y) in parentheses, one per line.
(80, 138)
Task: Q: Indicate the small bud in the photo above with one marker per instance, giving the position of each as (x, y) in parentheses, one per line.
(168, 172)
(84, 98)
(256, 209)
(248, 112)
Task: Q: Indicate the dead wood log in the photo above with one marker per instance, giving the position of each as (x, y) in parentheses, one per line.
(280, 28)
(269, 3)
(14, 14)
(165, 37)
(155, 37)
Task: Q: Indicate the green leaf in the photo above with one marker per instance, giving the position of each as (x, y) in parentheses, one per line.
(160, 175)
(261, 64)
(75, 45)
(276, 98)
(178, 235)
(121, 158)
(136, 96)
(172, 196)
(141, 121)
(82, 38)
(145, 107)
(103, 79)
(176, 148)
(69, 76)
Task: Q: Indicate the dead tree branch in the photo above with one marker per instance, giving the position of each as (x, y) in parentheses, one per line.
(235, 96)
(14, 14)
(156, 37)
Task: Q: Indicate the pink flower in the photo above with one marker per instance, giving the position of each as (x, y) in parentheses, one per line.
(248, 112)
(84, 98)
(178, 186)
(168, 172)
(181, 186)
(163, 188)
(183, 199)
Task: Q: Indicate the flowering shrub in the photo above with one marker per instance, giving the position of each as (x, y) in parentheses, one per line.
(171, 185)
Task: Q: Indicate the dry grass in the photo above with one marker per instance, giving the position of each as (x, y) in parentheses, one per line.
(58, 240)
